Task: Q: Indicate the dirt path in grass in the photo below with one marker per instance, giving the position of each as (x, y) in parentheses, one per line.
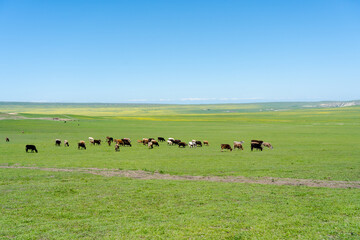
(144, 175)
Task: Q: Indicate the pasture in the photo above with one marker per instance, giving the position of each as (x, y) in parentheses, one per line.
(310, 144)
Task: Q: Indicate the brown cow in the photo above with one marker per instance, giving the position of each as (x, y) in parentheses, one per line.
(119, 141)
(7, 139)
(238, 146)
(182, 144)
(206, 143)
(268, 145)
(226, 146)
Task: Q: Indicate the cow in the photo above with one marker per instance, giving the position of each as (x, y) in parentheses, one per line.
(170, 142)
(238, 145)
(119, 141)
(198, 143)
(81, 145)
(206, 143)
(150, 145)
(117, 147)
(126, 142)
(161, 139)
(256, 145)
(109, 139)
(192, 144)
(7, 139)
(176, 141)
(145, 141)
(109, 142)
(31, 147)
(66, 143)
(155, 143)
(268, 145)
(57, 142)
(226, 146)
(140, 141)
(96, 141)
(171, 139)
(182, 144)
(91, 139)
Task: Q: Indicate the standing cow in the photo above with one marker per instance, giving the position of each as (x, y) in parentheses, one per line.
(57, 142)
(226, 146)
(31, 147)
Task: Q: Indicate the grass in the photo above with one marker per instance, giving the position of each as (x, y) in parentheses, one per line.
(42, 205)
(319, 143)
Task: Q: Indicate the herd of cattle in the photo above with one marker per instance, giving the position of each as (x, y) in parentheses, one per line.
(151, 143)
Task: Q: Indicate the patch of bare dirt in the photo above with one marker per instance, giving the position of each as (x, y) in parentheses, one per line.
(138, 174)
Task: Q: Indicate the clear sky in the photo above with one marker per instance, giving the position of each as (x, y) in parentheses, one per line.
(179, 51)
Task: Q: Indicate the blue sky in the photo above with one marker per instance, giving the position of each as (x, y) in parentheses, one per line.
(179, 51)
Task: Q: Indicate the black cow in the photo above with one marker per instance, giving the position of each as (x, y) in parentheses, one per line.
(256, 145)
(182, 144)
(31, 147)
(7, 140)
(57, 142)
(161, 139)
(176, 141)
(198, 143)
(81, 145)
(96, 141)
(126, 142)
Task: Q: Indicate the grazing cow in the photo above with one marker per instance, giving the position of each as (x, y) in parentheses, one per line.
(7, 139)
(140, 141)
(96, 141)
(91, 139)
(150, 145)
(171, 139)
(145, 141)
(126, 142)
(119, 141)
(198, 143)
(31, 147)
(109, 139)
(117, 147)
(127, 139)
(177, 141)
(268, 145)
(81, 145)
(66, 143)
(57, 142)
(109, 142)
(170, 142)
(256, 145)
(182, 144)
(238, 145)
(161, 139)
(192, 144)
(150, 139)
(226, 146)
(155, 143)
(206, 143)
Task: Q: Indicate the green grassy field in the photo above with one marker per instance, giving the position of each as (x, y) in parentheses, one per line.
(309, 143)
